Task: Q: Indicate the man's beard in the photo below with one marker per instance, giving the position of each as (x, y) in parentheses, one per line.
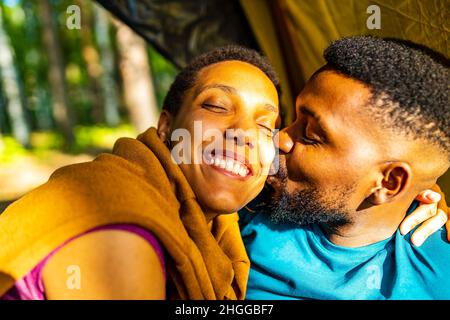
(308, 206)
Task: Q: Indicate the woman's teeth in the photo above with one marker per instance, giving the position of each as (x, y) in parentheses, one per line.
(229, 165)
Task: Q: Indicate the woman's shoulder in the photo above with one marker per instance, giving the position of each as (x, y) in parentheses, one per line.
(112, 261)
(105, 264)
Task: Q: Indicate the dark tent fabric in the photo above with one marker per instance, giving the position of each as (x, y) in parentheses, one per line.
(181, 30)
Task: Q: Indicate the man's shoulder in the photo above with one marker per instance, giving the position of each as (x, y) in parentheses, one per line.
(426, 266)
(434, 253)
(436, 246)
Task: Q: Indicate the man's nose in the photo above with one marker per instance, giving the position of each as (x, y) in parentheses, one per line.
(285, 143)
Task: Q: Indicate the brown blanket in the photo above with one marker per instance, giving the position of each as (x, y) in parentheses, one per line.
(137, 184)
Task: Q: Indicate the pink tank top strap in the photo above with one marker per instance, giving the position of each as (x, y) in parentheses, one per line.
(31, 287)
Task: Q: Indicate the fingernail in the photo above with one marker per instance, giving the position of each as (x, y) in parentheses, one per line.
(433, 196)
(403, 230)
(418, 242)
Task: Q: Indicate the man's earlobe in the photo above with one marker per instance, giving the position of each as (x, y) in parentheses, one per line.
(396, 178)
(165, 126)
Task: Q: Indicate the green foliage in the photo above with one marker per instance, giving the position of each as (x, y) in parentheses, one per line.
(163, 74)
(100, 137)
(11, 150)
(23, 24)
(88, 139)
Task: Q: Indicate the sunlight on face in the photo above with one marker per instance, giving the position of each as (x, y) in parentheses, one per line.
(236, 106)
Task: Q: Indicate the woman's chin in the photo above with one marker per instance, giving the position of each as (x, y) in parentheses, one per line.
(223, 205)
(228, 198)
(221, 194)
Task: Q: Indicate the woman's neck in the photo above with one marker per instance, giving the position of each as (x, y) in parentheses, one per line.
(210, 216)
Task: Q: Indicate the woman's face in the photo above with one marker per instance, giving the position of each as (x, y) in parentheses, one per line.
(234, 106)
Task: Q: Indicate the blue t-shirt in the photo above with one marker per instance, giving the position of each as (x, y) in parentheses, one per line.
(301, 263)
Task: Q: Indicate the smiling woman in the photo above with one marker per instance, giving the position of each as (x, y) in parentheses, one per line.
(136, 209)
(229, 98)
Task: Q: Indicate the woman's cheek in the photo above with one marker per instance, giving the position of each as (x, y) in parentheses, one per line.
(267, 154)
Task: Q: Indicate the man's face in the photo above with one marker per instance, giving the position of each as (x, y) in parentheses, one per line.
(329, 154)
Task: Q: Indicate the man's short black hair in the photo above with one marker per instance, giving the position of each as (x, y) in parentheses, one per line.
(187, 76)
(411, 81)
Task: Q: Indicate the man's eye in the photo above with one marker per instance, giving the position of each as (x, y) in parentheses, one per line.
(306, 140)
(214, 108)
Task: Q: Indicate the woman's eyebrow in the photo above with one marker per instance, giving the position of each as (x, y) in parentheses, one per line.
(225, 88)
(270, 108)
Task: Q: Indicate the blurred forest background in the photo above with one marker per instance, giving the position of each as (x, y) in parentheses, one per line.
(68, 94)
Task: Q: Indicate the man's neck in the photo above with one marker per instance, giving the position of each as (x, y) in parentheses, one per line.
(368, 226)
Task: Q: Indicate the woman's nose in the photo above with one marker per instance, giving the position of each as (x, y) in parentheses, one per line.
(240, 136)
(285, 143)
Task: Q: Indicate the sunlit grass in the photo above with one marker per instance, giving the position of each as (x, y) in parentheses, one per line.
(100, 137)
(11, 150)
(87, 139)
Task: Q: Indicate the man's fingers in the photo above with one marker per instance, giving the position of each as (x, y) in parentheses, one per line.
(428, 196)
(429, 227)
(422, 213)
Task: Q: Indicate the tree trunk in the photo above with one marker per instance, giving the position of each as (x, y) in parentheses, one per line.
(92, 61)
(108, 83)
(138, 87)
(15, 104)
(61, 109)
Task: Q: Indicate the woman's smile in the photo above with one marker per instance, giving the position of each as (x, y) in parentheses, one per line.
(230, 164)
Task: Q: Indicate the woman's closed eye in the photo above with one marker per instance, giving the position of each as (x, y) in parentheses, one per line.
(268, 131)
(214, 107)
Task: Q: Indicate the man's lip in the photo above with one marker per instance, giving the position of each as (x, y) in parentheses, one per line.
(235, 156)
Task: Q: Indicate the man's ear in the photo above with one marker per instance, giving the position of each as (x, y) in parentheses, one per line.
(394, 180)
(165, 125)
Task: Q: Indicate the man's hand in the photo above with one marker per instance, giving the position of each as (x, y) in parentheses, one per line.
(433, 213)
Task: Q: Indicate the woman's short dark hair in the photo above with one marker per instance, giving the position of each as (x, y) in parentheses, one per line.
(187, 76)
